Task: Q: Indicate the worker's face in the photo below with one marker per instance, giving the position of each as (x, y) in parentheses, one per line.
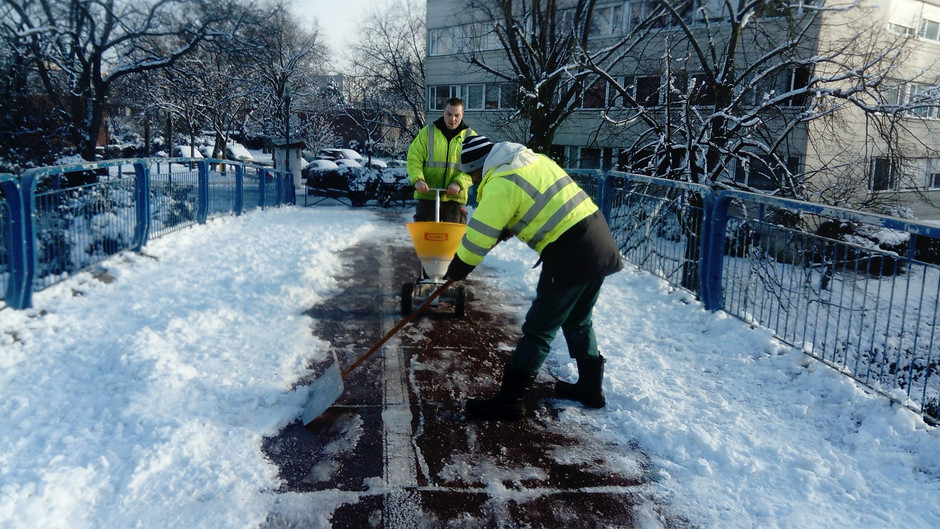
(476, 176)
(453, 115)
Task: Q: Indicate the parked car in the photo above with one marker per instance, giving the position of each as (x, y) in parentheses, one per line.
(185, 151)
(346, 162)
(374, 164)
(319, 165)
(360, 185)
(396, 163)
(237, 151)
(339, 154)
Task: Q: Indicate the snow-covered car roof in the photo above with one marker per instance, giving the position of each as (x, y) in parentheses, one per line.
(186, 151)
(322, 164)
(239, 152)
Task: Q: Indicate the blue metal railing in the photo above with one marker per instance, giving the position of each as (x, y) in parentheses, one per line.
(868, 311)
(53, 225)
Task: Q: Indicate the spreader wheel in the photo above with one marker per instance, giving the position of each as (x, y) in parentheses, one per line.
(460, 301)
(407, 298)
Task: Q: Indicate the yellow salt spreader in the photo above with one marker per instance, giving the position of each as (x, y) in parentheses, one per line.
(435, 244)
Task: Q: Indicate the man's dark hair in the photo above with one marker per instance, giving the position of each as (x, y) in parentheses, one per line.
(455, 102)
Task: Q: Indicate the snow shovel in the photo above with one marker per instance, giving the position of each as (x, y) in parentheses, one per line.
(325, 390)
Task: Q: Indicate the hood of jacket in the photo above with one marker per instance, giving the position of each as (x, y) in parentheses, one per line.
(507, 156)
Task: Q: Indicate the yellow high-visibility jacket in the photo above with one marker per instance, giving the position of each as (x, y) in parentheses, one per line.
(526, 193)
(434, 159)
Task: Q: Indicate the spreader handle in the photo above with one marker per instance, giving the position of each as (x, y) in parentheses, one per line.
(398, 326)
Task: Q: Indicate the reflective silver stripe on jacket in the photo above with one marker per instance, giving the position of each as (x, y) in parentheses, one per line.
(540, 202)
(483, 229)
(473, 248)
(431, 162)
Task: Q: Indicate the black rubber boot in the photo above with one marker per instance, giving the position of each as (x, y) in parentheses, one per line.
(508, 404)
(589, 389)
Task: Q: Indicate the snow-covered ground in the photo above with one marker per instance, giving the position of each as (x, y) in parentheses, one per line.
(141, 402)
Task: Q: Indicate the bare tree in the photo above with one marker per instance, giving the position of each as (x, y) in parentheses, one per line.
(28, 134)
(80, 48)
(541, 42)
(285, 61)
(389, 54)
(371, 110)
(717, 92)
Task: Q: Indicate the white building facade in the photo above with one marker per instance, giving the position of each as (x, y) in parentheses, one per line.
(879, 144)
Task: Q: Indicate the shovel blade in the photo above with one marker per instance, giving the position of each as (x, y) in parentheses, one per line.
(323, 392)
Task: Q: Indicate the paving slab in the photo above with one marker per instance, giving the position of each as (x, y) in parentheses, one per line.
(397, 451)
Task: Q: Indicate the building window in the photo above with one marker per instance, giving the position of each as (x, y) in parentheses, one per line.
(773, 86)
(573, 157)
(915, 99)
(780, 8)
(607, 20)
(900, 29)
(646, 90)
(764, 173)
(642, 91)
(441, 41)
(701, 92)
(473, 98)
(458, 39)
(932, 171)
(640, 12)
(490, 96)
(930, 30)
(924, 101)
(884, 174)
(439, 94)
(694, 89)
(480, 37)
(933, 181)
(595, 96)
(508, 95)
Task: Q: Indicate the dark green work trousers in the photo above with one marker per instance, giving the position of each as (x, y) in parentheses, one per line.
(568, 309)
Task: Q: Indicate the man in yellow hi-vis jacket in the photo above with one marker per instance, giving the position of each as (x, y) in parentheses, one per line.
(527, 195)
(432, 161)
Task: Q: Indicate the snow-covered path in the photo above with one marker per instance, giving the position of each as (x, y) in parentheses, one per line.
(142, 402)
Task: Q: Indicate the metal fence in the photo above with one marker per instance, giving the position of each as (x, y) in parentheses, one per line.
(859, 292)
(55, 221)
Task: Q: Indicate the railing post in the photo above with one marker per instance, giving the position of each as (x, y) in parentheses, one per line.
(202, 211)
(262, 175)
(605, 190)
(290, 194)
(20, 197)
(142, 197)
(279, 187)
(239, 189)
(713, 250)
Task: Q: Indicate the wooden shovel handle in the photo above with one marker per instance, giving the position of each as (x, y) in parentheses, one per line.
(399, 325)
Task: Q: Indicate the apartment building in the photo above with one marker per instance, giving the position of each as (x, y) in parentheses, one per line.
(791, 112)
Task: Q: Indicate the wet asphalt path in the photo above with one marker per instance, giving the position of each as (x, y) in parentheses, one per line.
(396, 451)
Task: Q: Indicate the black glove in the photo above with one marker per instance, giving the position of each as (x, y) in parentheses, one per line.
(457, 270)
